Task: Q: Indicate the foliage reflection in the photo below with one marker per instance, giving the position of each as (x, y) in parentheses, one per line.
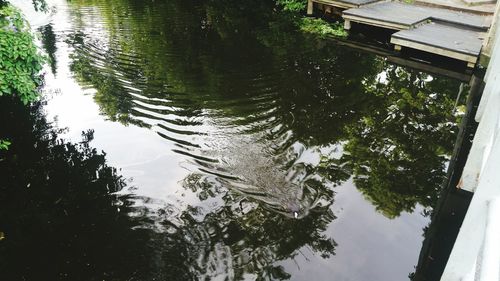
(395, 125)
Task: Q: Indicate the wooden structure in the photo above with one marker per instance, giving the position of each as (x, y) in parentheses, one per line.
(442, 39)
(440, 31)
(399, 16)
(393, 57)
(342, 4)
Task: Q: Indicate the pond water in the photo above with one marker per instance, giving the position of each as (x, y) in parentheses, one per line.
(212, 140)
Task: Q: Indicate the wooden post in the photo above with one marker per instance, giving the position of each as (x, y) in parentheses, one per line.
(397, 48)
(310, 5)
(328, 9)
(347, 24)
(470, 64)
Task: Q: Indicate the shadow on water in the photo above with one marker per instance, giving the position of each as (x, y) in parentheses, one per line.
(271, 124)
(453, 203)
(58, 214)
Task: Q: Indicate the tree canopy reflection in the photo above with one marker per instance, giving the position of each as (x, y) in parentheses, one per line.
(398, 153)
(395, 125)
(62, 220)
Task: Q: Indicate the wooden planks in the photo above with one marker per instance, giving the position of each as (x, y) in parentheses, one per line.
(442, 39)
(397, 15)
(453, 38)
(451, 33)
(444, 32)
(343, 4)
(460, 5)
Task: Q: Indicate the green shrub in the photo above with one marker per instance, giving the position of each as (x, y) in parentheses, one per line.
(4, 144)
(293, 5)
(20, 61)
(319, 27)
(322, 28)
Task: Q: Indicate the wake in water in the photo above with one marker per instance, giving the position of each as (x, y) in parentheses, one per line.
(279, 180)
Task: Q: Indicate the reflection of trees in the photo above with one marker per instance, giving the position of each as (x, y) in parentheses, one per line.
(393, 129)
(397, 152)
(113, 103)
(62, 222)
(253, 237)
(60, 218)
(49, 44)
(395, 124)
(55, 200)
(325, 94)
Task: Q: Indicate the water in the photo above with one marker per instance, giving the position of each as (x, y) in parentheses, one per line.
(218, 143)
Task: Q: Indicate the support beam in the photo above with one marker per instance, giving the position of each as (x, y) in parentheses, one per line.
(375, 22)
(397, 48)
(347, 24)
(310, 7)
(430, 48)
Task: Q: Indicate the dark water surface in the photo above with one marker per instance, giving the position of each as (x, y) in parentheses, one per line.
(219, 143)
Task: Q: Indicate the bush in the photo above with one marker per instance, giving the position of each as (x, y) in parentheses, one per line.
(293, 5)
(20, 61)
(319, 27)
(322, 28)
(4, 144)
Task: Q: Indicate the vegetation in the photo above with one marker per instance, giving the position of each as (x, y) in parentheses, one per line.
(20, 60)
(319, 27)
(40, 5)
(293, 5)
(322, 28)
(4, 144)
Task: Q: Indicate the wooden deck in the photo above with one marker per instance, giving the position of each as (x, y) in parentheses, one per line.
(399, 16)
(342, 4)
(460, 5)
(451, 33)
(442, 39)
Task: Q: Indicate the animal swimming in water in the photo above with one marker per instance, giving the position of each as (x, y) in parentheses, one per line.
(271, 180)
